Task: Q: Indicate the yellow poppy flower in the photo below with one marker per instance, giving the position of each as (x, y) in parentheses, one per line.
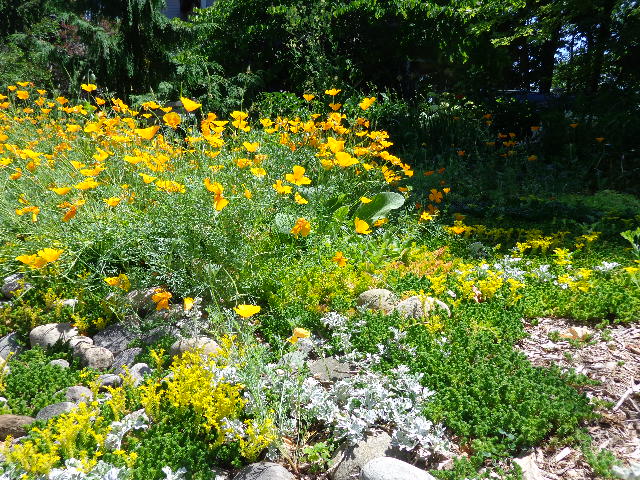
(172, 119)
(189, 105)
(22, 94)
(281, 189)
(161, 297)
(147, 133)
(246, 311)
(332, 92)
(362, 227)
(367, 102)
(112, 201)
(87, 184)
(298, 333)
(251, 147)
(297, 177)
(88, 87)
(308, 96)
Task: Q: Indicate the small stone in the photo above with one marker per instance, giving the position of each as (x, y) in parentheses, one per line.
(79, 339)
(14, 425)
(142, 300)
(109, 380)
(329, 369)
(126, 358)
(138, 371)
(60, 362)
(98, 358)
(377, 299)
(78, 393)
(54, 410)
(349, 459)
(387, 468)
(9, 343)
(204, 345)
(419, 307)
(576, 333)
(12, 284)
(264, 471)
(530, 470)
(115, 337)
(69, 302)
(218, 473)
(48, 335)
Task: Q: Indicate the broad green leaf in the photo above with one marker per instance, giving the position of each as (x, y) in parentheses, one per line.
(379, 206)
(341, 213)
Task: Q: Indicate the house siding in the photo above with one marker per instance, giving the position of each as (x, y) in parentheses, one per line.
(172, 9)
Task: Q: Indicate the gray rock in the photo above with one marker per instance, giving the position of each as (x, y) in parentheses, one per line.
(126, 358)
(264, 471)
(54, 410)
(203, 344)
(12, 284)
(79, 339)
(348, 461)
(9, 343)
(419, 307)
(60, 362)
(155, 334)
(109, 380)
(48, 335)
(138, 371)
(141, 300)
(98, 358)
(377, 299)
(329, 369)
(219, 474)
(14, 425)
(78, 393)
(387, 468)
(115, 338)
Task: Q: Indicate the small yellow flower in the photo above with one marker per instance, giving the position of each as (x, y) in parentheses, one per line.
(188, 303)
(333, 92)
(340, 259)
(282, 189)
(121, 281)
(365, 200)
(88, 87)
(302, 227)
(112, 201)
(299, 199)
(308, 96)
